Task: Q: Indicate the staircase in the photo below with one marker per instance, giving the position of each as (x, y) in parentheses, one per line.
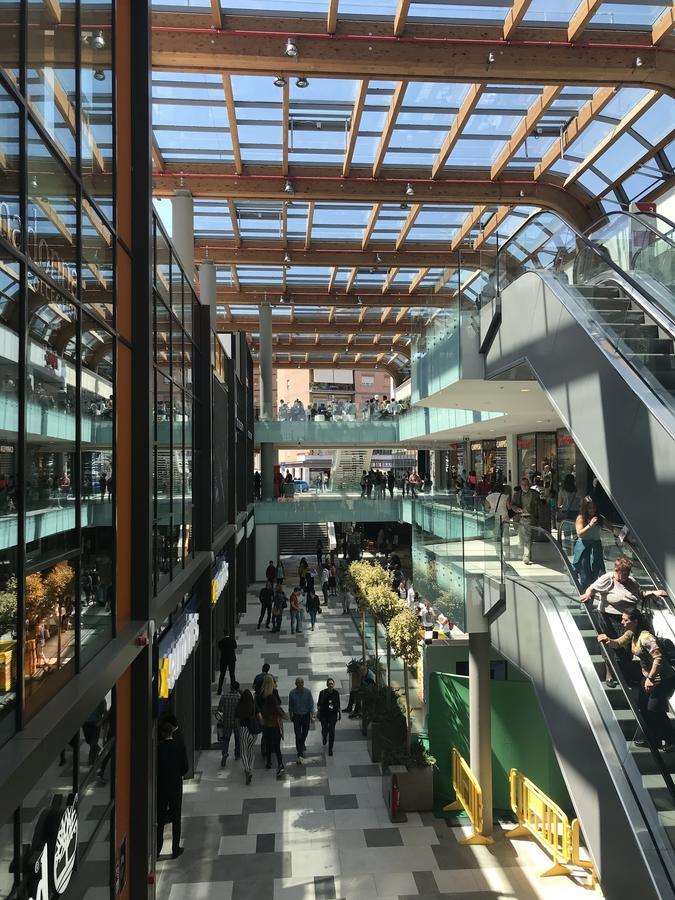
(300, 540)
(640, 341)
(349, 466)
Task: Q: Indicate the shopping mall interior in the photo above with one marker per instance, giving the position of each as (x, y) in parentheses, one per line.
(337, 530)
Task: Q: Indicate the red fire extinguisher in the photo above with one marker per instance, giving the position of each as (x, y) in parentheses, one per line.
(395, 798)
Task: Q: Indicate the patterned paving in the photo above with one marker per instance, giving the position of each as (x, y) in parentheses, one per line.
(322, 832)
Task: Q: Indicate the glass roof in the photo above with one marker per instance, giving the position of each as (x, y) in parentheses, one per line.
(610, 146)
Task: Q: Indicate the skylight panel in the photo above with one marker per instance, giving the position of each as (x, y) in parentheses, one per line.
(618, 15)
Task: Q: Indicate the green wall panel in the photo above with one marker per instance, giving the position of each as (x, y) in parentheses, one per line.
(520, 738)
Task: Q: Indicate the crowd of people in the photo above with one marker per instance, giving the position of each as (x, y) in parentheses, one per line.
(376, 483)
(338, 410)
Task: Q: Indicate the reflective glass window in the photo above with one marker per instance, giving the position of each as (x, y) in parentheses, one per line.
(96, 102)
(10, 168)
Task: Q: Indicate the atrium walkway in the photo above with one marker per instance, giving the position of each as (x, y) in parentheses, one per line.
(322, 832)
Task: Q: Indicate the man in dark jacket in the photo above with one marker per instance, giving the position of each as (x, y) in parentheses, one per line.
(271, 572)
(171, 769)
(266, 597)
(228, 658)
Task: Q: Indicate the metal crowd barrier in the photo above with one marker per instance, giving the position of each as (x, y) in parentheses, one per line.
(541, 818)
(469, 798)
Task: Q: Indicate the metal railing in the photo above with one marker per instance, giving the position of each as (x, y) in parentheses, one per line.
(469, 798)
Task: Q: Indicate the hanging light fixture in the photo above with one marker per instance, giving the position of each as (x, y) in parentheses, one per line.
(99, 75)
(638, 62)
(288, 188)
(409, 190)
(302, 82)
(279, 81)
(490, 58)
(291, 49)
(287, 258)
(99, 41)
(378, 259)
(282, 299)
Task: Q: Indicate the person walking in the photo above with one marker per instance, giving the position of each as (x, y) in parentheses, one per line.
(303, 568)
(228, 658)
(294, 607)
(266, 600)
(248, 721)
(332, 579)
(319, 553)
(225, 720)
(271, 572)
(301, 711)
(260, 677)
(278, 606)
(171, 769)
(391, 482)
(281, 572)
(325, 578)
(526, 504)
(273, 718)
(588, 560)
(313, 606)
(498, 505)
(328, 713)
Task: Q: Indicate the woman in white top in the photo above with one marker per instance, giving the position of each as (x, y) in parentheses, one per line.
(498, 504)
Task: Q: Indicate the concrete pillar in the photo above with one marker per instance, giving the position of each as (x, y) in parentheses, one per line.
(269, 457)
(183, 230)
(266, 369)
(480, 733)
(511, 474)
(207, 289)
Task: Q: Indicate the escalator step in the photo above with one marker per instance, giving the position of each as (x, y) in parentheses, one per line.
(643, 345)
(644, 332)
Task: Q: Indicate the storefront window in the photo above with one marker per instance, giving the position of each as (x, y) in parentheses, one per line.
(50, 604)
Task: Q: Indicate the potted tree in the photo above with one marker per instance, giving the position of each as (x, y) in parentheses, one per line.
(38, 607)
(384, 605)
(59, 587)
(386, 727)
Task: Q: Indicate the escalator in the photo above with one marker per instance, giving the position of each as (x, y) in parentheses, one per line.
(623, 793)
(592, 317)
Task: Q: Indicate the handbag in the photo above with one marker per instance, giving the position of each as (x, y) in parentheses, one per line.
(255, 725)
(320, 611)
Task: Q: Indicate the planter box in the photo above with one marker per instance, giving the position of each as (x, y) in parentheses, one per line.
(382, 737)
(416, 789)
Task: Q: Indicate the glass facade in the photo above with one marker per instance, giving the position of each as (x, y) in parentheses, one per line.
(175, 363)
(58, 346)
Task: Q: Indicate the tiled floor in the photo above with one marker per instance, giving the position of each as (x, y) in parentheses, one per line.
(322, 832)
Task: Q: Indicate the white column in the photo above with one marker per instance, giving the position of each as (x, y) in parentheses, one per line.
(207, 288)
(480, 702)
(183, 229)
(511, 474)
(265, 356)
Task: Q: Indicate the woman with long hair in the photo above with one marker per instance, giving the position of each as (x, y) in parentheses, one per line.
(588, 560)
(273, 718)
(247, 720)
(658, 678)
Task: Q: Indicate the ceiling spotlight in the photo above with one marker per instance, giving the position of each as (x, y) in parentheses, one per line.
(291, 48)
(34, 183)
(359, 300)
(491, 57)
(378, 259)
(99, 75)
(98, 41)
(288, 188)
(409, 190)
(282, 299)
(404, 206)
(280, 81)
(521, 193)
(287, 258)
(302, 82)
(638, 62)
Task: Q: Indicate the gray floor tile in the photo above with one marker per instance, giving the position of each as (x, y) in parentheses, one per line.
(324, 887)
(426, 883)
(383, 837)
(367, 771)
(259, 889)
(317, 790)
(341, 801)
(259, 805)
(264, 843)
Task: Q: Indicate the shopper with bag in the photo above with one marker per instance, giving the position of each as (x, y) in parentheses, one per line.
(248, 720)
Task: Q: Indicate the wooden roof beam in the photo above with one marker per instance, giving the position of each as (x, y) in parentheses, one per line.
(627, 122)
(301, 325)
(448, 59)
(225, 253)
(217, 13)
(580, 18)
(285, 102)
(310, 219)
(445, 276)
(391, 275)
(515, 16)
(232, 121)
(584, 118)
(408, 224)
(331, 20)
(389, 125)
(342, 300)
(53, 11)
(385, 314)
(491, 226)
(663, 25)
(372, 222)
(464, 113)
(467, 226)
(157, 158)
(235, 278)
(354, 125)
(418, 279)
(351, 279)
(331, 279)
(525, 128)
(234, 221)
(400, 16)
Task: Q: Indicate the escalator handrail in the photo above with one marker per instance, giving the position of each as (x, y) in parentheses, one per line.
(541, 533)
(657, 844)
(638, 218)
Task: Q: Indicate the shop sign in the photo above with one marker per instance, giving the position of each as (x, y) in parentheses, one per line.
(565, 440)
(501, 444)
(477, 446)
(526, 443)
(220, 580)
(53, 865)
(175, 650)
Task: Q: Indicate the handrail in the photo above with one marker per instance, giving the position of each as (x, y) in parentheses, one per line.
(611, 660)
(638, 217)
(469, 798)
(545, 821)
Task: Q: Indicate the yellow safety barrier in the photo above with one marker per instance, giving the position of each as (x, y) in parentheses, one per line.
(469, 798)
(541, 818)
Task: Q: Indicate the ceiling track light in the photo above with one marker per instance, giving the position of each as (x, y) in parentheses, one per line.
(287, 258)
(280, 81)
(638, 62)
(99, 41)
(302, 82)
(291, 49)
(404, 206)
(491, 58)
(409, 190)
(288, 188)
(282, 299)
(378, 259)
(521, 193)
